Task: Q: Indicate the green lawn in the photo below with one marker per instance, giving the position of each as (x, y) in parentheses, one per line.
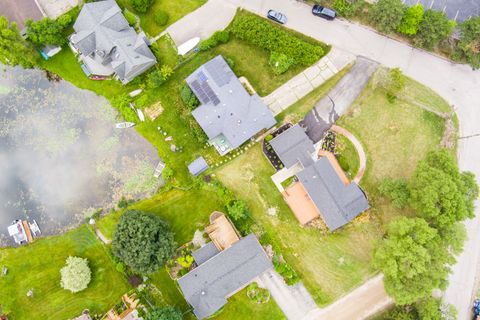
(396, 137)
(347, 156)
(37, 266)
(240, 307)
(175, 9)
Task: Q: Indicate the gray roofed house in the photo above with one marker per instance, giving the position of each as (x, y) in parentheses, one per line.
(292, 146)
(108, 45)
(338, 203)
(228, 114)
(207, 287)
(205, 253)
(198, 166)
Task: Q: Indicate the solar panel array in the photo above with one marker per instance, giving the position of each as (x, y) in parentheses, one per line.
(203, 91)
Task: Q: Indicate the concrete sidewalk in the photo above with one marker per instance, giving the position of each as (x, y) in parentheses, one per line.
(309, 79)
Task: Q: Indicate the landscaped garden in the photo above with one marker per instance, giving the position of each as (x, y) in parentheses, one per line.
(36, 268)
(399, 134)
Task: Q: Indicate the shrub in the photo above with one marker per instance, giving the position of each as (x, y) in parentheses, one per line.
(143, 241)
(286, 271)
(217, 38)
(141, 5)
(76, 274)
(261, 33)
(167, 173)
(269, 137)
(387, 14)
(411, 20)
(434, 28)
(157, 77)
(120, 267)
(131, 18)
(238, 210)
(230, 62)
(188, 97)
(257, 294)
(344, 8)
(395, 83)
(469, 43)
(161, 18)
(122, 103)
(48, 31)
(185, 260)
(396, 190)
(280, 62)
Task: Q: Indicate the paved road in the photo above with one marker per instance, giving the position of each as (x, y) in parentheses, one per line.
(295, 301)
(458, 84)
(327, 111)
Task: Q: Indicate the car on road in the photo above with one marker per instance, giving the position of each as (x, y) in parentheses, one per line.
(324, 12)
(277, 16)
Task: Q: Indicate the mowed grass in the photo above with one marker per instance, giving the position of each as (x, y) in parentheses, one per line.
(240, 307)
(395, 136)
(175, 9)
(37, 267)
(347, 156)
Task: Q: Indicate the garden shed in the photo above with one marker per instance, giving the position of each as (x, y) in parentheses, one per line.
(198, 166)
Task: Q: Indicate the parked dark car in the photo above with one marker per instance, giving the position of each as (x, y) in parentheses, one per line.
(324, 12)
(277, 16)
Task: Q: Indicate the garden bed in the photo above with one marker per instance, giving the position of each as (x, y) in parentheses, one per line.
(268, 149)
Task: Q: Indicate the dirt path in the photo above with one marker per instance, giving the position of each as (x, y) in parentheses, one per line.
(361, 303)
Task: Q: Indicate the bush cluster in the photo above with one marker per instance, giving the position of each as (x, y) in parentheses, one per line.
(280, 62)
(188, 97)
(219, 37)
(161, 18)
(286, 271)
(262, 34)
(130, 17)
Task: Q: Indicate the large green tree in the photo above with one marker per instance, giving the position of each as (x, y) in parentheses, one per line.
(165, 313)
(469, 42)
(48, 31)
(76, 274)
(434, 28)
(141, 5)
(14, 50)
(411, 20)
(440, 193)
(413, 259)
(143, 241)
(387, 14)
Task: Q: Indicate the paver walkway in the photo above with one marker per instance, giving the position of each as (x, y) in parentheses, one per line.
(295, 301)
(311, 78)
(358, 146)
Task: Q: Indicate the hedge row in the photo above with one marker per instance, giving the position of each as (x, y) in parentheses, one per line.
(262, 34)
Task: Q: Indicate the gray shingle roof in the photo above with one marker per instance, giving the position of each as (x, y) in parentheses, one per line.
(205, 253)
(207, 287)
(103, 33)
(337, 203)
(227, 108)
(198, 166)
(293, 145)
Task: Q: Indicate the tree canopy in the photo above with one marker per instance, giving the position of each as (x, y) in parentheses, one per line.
(141, 5)
(411, 20)
(434, 28)
(76, 274)
(14, 50)
(238, 210)
(413, 259)
(48, 31)
(165, 313)
(143, 241)
(440, 193)
(469, 42)
(387, 14)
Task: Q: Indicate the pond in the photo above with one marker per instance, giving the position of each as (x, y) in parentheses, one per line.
(61, 156)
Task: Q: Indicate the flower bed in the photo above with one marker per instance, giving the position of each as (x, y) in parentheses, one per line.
(182, 262)
(257, 294)
(268, 149)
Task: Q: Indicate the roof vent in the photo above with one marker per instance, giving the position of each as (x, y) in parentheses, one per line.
(314, 177)
(203, 293)
(218, 117)
(239, 121)
(230, 91)
(231, 113)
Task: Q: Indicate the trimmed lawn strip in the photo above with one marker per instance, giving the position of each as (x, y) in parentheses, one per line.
(175, 10)
(37, 266)
(347, 156)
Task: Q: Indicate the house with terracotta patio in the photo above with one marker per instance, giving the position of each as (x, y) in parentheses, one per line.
(224, 266)
(321, 188)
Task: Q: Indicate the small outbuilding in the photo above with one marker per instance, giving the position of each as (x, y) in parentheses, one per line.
(198, 166)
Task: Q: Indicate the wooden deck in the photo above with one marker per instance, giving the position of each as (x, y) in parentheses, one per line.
(27, 230)
(221, 231)
(302, 206)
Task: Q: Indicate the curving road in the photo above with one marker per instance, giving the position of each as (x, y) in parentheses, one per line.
(458, 84)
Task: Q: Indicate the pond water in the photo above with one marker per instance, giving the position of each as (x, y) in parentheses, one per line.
(61, 157)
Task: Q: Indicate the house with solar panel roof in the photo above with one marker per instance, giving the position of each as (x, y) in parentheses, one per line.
(228, 114)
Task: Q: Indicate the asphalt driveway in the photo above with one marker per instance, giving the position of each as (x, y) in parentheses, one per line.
(339, 99)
